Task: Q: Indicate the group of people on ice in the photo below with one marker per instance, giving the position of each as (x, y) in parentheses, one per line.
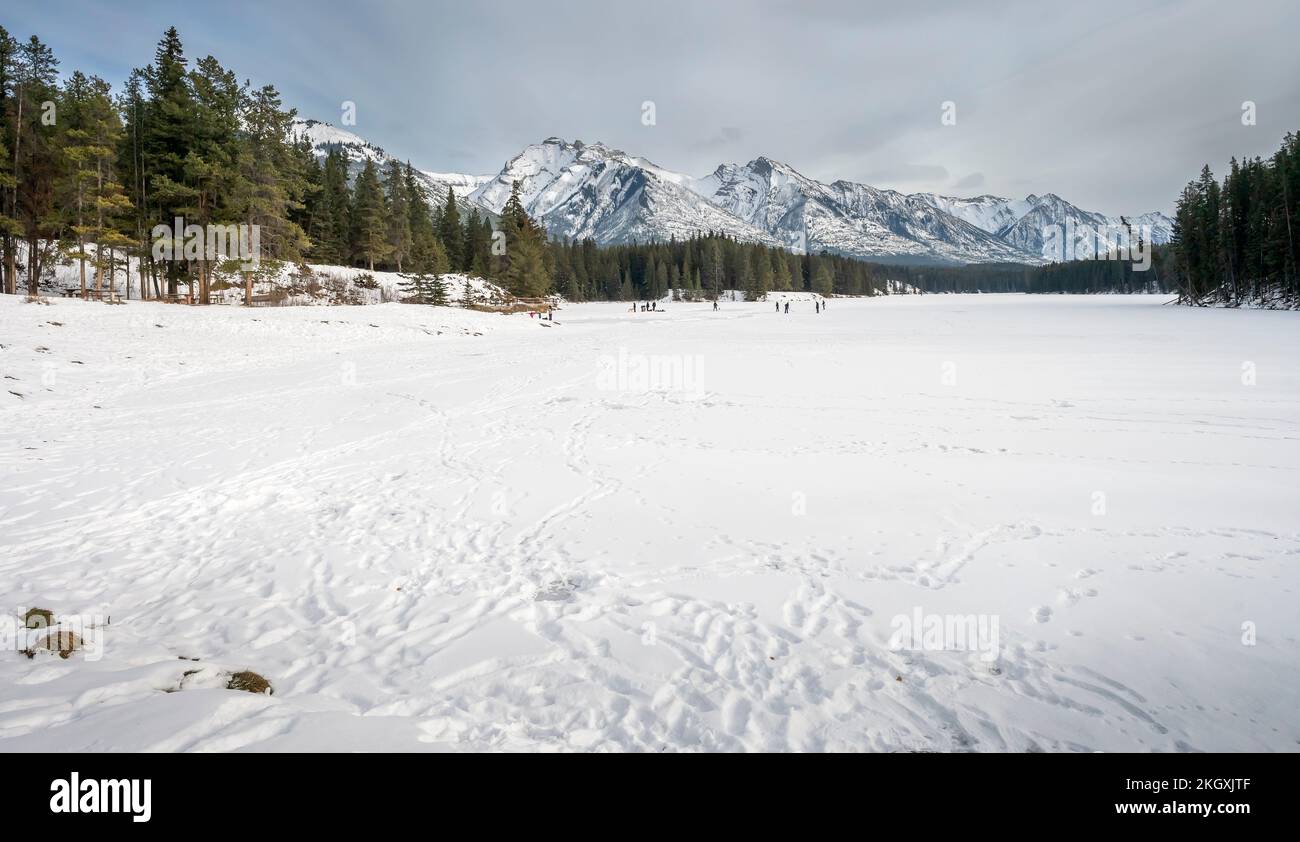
(818, 305)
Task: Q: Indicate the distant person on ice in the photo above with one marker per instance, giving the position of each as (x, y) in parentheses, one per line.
(787, 307)
(715, 305)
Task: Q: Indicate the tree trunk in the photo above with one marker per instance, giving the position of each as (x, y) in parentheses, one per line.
(6, 267)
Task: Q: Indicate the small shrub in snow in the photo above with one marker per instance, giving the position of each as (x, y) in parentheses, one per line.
(249, 682)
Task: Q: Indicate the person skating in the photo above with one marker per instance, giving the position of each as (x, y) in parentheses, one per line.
(778, 306)
(787, 308)
(715, 305)
(817, 307)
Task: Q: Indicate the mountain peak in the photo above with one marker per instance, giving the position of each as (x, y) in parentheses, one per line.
(762, 162)
(323, 136)
(585, 190)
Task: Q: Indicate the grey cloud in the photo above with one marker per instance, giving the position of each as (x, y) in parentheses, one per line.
(1111, 104)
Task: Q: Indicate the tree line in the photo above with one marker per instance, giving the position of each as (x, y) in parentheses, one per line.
(1236, 242)
(701, 266)
(87, 173)
(1104, 274)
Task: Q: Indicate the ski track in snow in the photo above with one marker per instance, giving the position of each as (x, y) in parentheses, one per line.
(435, 530)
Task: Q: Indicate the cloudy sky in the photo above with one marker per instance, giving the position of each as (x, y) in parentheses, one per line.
(1113, 105)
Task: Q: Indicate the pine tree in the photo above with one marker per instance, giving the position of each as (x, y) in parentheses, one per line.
(426, 252)
(823, 281)
(210, 164)
(423, 288)
(36, 165)
(10, 228)
(269, 185)
(369, 218)
(333, 217)
(477, 254)
(781, 274)
(396, 193)
(449, 230)
(130, 165)
(523, 268)
(91, 193)
(168, 136)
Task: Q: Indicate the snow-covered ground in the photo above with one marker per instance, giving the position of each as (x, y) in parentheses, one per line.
(309, 284)
(677, 530)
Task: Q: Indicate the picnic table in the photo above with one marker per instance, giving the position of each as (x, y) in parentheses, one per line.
(109, 296)
(186, 298)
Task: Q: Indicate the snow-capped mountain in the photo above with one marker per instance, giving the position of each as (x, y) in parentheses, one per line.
(847, 218)
(324, 137)
(990, 213)
(459, 183)
(1029, 223)
(582, 190)
(579, 190)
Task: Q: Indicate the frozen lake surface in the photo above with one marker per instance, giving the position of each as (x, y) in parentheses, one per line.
(684, 530)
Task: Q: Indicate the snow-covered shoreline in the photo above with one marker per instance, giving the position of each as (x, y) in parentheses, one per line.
(439, 529)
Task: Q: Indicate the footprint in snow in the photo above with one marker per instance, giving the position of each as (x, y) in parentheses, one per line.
(557, 591)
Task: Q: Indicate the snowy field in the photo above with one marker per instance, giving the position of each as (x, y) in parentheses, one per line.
(681, 531)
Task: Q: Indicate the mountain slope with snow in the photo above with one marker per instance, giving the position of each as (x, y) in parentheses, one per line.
(578, 191)
(847, 218)
(583, 191)
(323, 137)
(1026, 223)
